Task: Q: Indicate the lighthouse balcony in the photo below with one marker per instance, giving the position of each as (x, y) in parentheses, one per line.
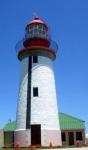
(36, 49)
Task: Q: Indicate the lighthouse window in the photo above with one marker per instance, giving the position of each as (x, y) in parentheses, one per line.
(36, 26)
(31, 26)
(35, 91)
(35, 59)
(44, 29)
(40, 26)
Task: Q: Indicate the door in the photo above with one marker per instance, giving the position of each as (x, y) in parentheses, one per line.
(71, 138)
(35, 134)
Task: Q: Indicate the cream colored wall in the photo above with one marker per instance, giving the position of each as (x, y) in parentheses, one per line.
(1, 138)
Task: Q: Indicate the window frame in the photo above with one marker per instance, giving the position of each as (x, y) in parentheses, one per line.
(35, 59)
(35, 92)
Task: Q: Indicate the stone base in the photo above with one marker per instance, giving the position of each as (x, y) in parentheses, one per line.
(22, 138)
(49, 138)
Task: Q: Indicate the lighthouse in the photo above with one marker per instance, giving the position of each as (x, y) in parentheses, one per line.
(37, 121)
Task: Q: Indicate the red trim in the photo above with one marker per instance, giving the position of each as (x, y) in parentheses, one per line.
(36, 42)
(38, 47)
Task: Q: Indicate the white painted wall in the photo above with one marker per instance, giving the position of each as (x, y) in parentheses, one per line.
(44, 107)
(22, 97)
(22, 138)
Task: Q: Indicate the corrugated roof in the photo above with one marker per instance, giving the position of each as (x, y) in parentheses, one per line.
(10, 126)
(70, 122)
(66, 122)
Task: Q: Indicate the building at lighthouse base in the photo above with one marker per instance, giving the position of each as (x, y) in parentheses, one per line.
(72, 131)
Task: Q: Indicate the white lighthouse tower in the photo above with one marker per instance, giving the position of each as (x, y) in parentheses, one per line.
(37, 121)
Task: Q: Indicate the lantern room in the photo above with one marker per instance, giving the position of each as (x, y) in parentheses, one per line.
(36, 28)
(36, 41)
(36, 33)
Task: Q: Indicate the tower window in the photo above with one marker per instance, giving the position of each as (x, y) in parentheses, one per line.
(40, 26)
(35, 59)
(35, 91)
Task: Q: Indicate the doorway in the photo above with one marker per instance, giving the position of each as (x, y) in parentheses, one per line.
(71, 138)
(35, 134)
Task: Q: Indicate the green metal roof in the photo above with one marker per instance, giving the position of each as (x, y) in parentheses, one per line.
(10, 126)
(66, 122)
(69, 122)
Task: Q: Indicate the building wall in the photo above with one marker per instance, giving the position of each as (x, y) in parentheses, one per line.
(86, 141)
(79, 142)
(46, 140)
(1, 138)
(22, 96)
(8, 138)
(44, 109)
(46, 103)
(21, 135)
(22, 138)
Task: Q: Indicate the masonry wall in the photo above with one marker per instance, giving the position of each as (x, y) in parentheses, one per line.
(22, 96)
(1, 138)
(44, 109)
(79, 142)
(8, 138)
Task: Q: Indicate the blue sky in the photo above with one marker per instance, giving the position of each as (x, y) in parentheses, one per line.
(68, 22)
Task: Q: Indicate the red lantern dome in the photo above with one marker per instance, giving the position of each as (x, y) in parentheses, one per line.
(37, 20)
